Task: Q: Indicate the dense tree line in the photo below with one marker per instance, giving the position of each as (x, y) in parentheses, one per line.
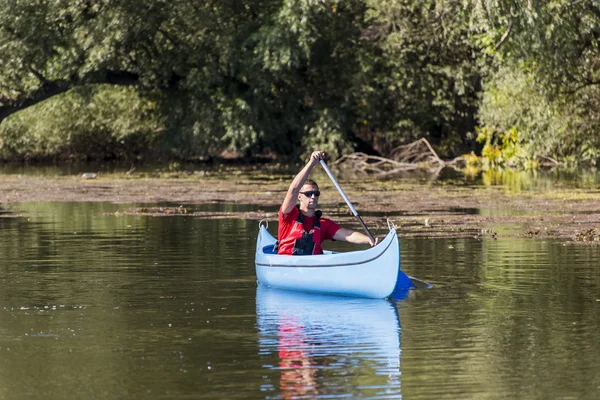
(185, 79)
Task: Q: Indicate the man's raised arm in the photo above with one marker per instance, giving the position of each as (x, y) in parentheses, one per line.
(291, 196)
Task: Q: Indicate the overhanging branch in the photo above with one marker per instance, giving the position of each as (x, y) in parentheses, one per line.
(506, 32)
(49, 89)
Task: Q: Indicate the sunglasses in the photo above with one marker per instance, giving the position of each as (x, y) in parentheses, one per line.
(310, 193)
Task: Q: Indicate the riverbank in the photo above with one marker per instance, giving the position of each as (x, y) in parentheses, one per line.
(439, 208)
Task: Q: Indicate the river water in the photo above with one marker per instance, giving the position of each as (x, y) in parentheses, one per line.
(96, 304)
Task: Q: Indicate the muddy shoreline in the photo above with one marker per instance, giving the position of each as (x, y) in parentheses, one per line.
(417, 208)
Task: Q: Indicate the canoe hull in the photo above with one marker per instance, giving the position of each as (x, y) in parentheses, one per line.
(368, 273)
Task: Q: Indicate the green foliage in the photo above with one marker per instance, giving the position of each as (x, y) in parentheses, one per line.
(286, 76)
(559, 38)
(424, 80)
(327, 135)
(91, 129)
(504, 149)
(548, 126)
(545, 84)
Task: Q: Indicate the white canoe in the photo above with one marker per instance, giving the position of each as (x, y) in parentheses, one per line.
(374, 272)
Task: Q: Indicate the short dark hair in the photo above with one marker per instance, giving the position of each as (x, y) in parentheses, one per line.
(310, 182)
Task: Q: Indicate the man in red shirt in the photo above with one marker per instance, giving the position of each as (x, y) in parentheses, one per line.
(302, 230)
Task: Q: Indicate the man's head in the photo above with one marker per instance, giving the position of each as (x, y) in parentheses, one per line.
(309, 195)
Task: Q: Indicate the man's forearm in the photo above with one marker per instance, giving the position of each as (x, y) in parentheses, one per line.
(358, 238)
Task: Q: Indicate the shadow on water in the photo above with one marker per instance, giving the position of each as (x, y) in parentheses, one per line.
(316, 345)
(4, 211)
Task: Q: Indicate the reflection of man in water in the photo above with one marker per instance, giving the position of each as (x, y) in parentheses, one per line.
(298, 372)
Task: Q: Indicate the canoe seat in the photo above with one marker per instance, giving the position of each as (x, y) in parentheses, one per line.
(270, 249)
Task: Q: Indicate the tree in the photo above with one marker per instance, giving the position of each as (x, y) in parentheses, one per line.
(424, 76)
(550, 51)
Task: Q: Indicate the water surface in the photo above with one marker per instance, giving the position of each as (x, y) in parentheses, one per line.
(102, 305)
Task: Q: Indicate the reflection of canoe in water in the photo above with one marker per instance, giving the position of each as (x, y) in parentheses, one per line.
(324, 339)
(374, 272)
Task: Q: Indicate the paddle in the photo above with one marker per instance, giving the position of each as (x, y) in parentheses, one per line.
(337, 185)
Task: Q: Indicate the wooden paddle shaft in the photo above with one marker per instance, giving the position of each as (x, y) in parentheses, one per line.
(339, 188)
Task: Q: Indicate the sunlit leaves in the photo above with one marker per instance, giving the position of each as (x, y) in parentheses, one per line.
(548, 76)
(91, 129)
(287, 76)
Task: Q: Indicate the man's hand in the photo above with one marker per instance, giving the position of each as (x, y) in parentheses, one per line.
(316, 156)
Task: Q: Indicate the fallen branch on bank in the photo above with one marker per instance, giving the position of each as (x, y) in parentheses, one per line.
(412, 156)
(416, 152)
(549, 161)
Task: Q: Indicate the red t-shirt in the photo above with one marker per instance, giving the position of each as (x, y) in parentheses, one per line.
(286, 223)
